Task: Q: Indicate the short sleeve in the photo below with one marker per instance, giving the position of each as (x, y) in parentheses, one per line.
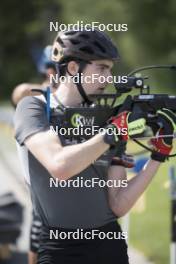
(30, 118)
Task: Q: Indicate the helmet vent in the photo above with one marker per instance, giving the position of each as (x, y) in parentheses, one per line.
(87, 50)
(70, 33)
(75, 41)
(84, 36)
(99, 46)
(55, 52)
(59, 40)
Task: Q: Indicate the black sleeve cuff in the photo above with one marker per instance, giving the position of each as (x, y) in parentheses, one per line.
(158, 157)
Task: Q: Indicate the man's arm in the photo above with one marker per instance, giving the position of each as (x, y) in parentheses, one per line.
(122, 199)
(32, 257)
(33, 130)
(23, 90)
(64, 162)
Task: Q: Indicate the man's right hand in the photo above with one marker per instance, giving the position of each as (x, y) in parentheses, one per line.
(132, 128)
(126, 124)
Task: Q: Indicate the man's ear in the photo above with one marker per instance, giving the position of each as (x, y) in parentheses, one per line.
(72, 68)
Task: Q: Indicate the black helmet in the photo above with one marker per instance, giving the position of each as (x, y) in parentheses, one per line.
(85, 45)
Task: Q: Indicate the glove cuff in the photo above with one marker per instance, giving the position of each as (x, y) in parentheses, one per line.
(111, 136)
(125, 160)
(159, 157)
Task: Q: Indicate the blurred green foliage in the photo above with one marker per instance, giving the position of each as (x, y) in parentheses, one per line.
(23, 24)
(150, 38)
(150, 229)
(150, 218)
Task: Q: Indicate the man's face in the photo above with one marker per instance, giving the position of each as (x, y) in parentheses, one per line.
(98, 70)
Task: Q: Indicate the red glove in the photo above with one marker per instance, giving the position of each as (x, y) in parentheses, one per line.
(160, 147)
(126, 124)
(121, 123)
(163, 146)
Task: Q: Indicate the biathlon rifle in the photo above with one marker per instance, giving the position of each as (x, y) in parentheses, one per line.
(104, 107)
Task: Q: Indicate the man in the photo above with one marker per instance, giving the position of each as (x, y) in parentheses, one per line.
(46, 68)
(65, 210)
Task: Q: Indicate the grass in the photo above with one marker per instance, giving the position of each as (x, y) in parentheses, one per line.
(150, 227)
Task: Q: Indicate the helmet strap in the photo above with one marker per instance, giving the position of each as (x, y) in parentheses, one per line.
(80, 88)
(57, 66)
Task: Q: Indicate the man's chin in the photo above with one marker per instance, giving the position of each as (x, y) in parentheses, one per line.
(97, 92)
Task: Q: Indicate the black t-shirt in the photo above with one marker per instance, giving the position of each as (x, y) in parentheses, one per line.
(65, 207)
